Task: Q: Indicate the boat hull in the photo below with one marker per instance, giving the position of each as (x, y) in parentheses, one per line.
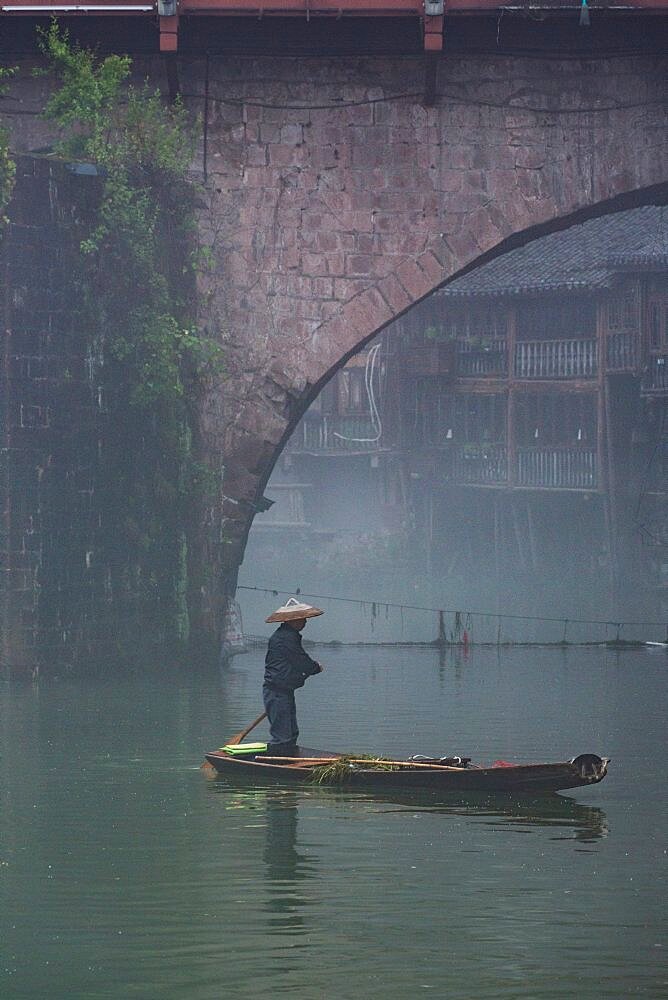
(588, 769)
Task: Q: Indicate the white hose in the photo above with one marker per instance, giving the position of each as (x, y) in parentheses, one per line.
(369, 370)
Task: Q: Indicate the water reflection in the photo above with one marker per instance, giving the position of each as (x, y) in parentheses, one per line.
(566, 818)
(569, 819)
(285, 866)
(587, 823)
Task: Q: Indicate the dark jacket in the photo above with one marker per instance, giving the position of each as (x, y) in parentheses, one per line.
(286, 665)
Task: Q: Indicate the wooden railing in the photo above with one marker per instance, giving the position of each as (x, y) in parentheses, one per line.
(573, 358)
(476, 463)
(655, 378)
(492, 359)
(559, 467)
(621, 352)
(556, 359)
(334, 433)
(547, 468)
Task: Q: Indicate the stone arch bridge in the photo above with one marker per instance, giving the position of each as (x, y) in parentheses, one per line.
(334, 199)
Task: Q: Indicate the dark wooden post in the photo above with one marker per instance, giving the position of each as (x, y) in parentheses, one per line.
(6, 624)
(511, 444)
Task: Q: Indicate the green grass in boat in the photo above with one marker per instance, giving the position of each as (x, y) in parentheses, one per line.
(338, 771)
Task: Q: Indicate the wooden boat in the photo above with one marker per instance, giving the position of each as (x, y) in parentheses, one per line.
(427, 773)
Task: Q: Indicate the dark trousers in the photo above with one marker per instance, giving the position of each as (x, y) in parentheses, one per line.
(282, 714)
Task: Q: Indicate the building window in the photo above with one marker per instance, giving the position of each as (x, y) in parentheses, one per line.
(556, 419)
(326, 401)
(352, 395)
(658, 323)
(468, 418)
(623, 311)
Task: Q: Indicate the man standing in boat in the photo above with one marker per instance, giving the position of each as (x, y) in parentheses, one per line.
(286, 667)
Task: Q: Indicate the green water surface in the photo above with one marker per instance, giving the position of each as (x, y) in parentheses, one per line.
(125, 873)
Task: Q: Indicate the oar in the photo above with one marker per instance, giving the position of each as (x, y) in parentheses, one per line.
(208, 768)
(234, 740)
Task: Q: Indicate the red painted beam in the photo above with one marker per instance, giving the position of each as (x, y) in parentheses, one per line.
(393, 8)
(398, 8)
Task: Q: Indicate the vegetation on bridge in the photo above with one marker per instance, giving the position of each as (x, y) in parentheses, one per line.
(7, 165)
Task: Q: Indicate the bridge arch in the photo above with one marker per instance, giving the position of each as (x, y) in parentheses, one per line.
(607, 382)
(365, 316)
(356, 318)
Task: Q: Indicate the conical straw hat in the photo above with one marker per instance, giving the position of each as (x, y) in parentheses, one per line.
(293, 610)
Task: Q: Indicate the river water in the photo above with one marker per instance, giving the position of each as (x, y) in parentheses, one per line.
(125, 873)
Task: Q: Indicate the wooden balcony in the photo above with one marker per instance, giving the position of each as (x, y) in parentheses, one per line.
(557, 467)
(575, 358)
(334, 434)
(476, 464)
(432, 357)
(556, 359)
(476, 360)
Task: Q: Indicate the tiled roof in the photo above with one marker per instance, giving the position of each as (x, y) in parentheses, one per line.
(581, 258)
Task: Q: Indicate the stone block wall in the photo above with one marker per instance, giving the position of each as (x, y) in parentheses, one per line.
(51, 418)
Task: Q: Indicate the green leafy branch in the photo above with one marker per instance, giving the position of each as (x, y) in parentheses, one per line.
(7, 164)
(143, 147)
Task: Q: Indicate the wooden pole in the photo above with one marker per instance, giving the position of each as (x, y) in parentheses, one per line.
(511, 443)
(610, 499)
(497, 550)
(316, 761)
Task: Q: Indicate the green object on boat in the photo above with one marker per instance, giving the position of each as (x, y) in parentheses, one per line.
(239, 749)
